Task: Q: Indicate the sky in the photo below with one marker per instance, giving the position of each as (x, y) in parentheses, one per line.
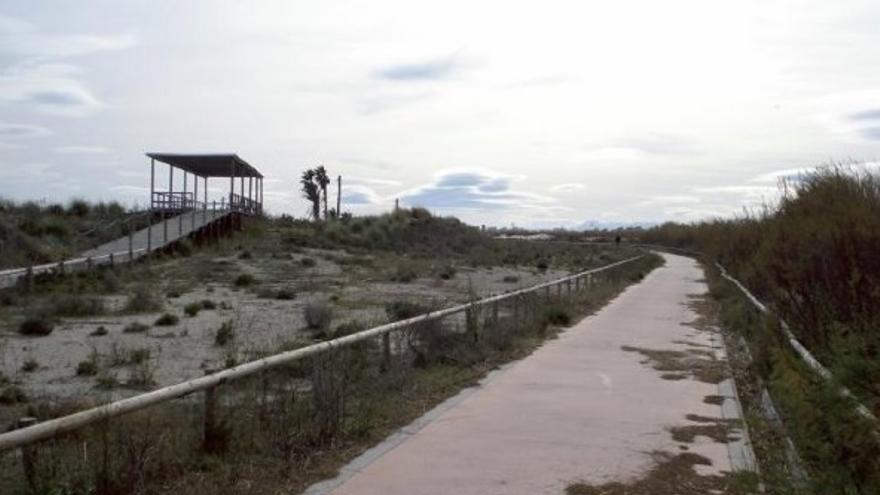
(533, 114)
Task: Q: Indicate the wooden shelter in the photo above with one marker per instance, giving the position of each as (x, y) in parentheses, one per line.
(242, 198)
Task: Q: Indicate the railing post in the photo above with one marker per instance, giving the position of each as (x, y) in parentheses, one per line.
(495, 312)
(89, 263)
(568, 286)
(61, 267)
(29, 457)
(130, 243)
(472, 322)
(559, 290)
(577, 284)
(29, 278)
(180, 225)
(515, 302)
(547, 292)
(386, 351)
(111, 259)
(213, 440)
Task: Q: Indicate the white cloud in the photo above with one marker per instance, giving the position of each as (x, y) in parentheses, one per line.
(567, 188)
(17, 131)
(81, 150)
(18, 37)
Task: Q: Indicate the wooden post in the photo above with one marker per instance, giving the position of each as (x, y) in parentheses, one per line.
(29, 457)
(213, 437)
(558, 290)
(205, 212)
(568, 287)
(547, 292)
(152, 183)
(130, 243)
(195, 199)
(231, 181)
(250, 190)
(111, 259)
(29, 276)
(170, 185)
(89, 263)
(180, 224)
(386, 351)
(515, 303)
(577, 284)
(495, 312)
(339, 196)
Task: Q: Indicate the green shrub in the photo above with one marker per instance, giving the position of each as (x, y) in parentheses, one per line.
(405, 273)
(89, 367)
(557, 315)
(77, 306)
(167, 320)
(11, 395)
(225, 334)
(285, 294)
(510, 279)
(143, 299)
(36, 326)
(99, 332)
(542, 265)
(446, 272)
(30, 365)
(245, 255)
(318, 315)
(139, 356)
(308, 262)
(192, 309)
(208, 304)
(245, 280)
(135, 327)
(404, 309)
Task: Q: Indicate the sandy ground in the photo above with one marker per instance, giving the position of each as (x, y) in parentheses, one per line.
(581, 408)
(262, 325)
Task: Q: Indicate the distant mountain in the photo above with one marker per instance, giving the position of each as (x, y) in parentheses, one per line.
(603, 225)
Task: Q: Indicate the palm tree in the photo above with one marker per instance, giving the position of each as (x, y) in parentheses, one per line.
(311, 192)
(323, 181)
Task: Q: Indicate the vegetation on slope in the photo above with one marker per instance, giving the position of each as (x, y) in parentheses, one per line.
(813, 258)
(32, 232)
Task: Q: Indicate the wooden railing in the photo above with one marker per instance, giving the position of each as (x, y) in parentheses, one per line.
(48, 429)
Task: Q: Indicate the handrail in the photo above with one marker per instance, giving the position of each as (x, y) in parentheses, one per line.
(799, 348)
(53, 427)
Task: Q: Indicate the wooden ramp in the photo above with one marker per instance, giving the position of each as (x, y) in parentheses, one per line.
(159, 235)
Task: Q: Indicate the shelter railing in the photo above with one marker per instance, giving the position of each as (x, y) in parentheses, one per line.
(243, 204)
(172, 201)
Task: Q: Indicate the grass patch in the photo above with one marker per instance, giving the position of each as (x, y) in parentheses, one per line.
(192, 309)
(244, 280)
(225, 334)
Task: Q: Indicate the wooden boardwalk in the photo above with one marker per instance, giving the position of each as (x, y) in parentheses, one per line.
(159, 235)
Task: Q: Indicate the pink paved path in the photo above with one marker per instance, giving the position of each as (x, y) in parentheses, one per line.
(579, 408)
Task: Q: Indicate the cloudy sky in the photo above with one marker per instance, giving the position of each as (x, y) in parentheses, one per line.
(529, 113)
